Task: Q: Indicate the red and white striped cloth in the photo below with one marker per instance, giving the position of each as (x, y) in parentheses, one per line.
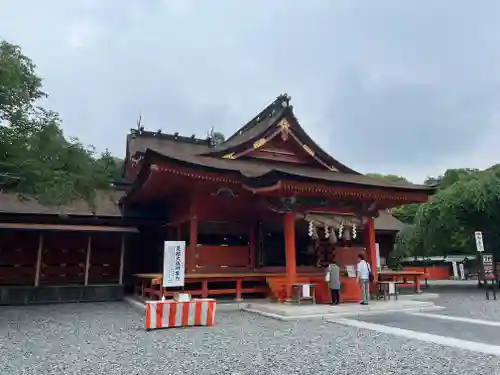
(167, 314)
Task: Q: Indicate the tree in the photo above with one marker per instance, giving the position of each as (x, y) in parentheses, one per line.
(49, 167)
(467, 200)
(109, 166)
(20, 87)
(450, 177)
(405, 213)
(389, 178)
(218, 138)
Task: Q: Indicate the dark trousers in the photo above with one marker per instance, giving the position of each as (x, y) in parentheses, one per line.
(335, 296)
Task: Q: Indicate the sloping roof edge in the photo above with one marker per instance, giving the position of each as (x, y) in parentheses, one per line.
(106, 205)
(241, 169)
(265, 120)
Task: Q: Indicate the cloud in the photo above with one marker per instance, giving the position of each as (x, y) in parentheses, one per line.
(386, 86)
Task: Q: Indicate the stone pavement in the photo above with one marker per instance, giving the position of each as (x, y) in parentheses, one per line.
(457, 332)
(307, 311)
(467, 321)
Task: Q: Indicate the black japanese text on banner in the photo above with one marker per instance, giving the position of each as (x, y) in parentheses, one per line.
(174, 263)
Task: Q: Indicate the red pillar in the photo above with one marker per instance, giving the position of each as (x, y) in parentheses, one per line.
(371, 252)
(193, 242)
(291, 264)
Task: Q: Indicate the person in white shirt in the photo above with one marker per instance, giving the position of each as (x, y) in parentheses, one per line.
(363, 278)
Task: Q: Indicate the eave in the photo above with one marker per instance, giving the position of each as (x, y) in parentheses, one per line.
(236, 172)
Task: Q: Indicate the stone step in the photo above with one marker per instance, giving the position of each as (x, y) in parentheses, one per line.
(293, 312)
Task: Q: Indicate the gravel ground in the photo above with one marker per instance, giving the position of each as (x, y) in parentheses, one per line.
(468, 302)
(108, 338)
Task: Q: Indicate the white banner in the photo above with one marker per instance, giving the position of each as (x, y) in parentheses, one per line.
(377, 254)
(479, 241)
(455, 270)
(461, 270)
(174, 263)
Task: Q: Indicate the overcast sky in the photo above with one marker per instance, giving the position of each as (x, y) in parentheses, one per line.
(403, 87)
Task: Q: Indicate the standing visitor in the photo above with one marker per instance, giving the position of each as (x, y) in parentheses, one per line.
(333, 279)
(363, 278)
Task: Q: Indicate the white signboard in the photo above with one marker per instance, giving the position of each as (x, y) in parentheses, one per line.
(306, 290)
(351, 270)
(174, 263)
(455, 270)
(461, 271)
(479, 241)
(392, 288)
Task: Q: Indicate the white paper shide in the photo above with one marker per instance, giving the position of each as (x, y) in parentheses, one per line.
(174, 263)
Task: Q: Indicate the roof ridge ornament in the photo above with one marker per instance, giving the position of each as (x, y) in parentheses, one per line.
(210, 137)
(284, 100)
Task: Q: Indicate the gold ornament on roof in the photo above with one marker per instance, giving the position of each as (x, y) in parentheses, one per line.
(308, 149)
(284, 129)
(229, 156)
(283, 124)
(261, 142)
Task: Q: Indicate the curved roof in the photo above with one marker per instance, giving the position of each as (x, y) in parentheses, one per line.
(262, 124)
(200, 154)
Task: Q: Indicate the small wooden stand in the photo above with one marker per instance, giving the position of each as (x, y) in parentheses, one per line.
(298, 294)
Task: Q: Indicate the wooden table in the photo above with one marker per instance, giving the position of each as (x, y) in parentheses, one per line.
(402, 276)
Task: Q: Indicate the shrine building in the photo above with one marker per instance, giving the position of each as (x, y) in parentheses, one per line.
(265, 209)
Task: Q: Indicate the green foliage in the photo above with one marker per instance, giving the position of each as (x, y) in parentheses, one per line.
(406, 213)
(49, 167)
(450, 177)
(466, 200)
(389, 177)
(218, 138)
(20, 87)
